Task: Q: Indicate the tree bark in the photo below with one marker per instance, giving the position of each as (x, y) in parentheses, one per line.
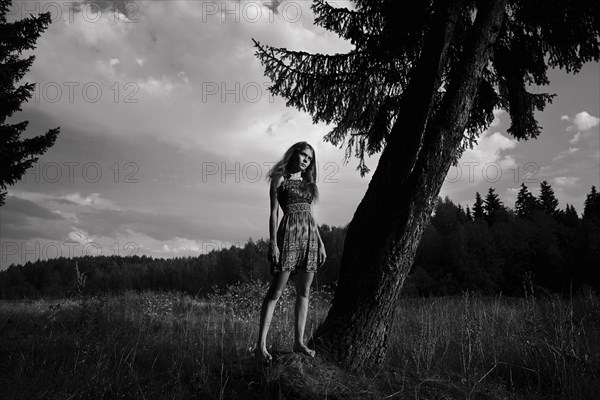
(387, 226)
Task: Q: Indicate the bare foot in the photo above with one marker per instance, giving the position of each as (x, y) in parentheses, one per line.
(301, 348)
(262, 354)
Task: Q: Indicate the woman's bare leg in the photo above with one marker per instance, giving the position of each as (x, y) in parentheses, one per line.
(266, 312)
(303, 281)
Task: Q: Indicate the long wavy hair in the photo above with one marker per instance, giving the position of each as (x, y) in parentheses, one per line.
(309, 175)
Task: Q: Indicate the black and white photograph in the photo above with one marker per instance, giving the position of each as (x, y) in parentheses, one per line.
(300, 199)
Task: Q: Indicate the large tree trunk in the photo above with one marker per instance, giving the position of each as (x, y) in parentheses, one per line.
(387, 226)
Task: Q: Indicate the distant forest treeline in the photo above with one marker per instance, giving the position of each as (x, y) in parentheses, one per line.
(489, 249)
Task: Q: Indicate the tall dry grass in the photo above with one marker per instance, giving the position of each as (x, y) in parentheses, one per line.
(174, 346)
(545, 346)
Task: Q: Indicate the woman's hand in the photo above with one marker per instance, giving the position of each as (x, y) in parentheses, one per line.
(273, 255)
(322, 255)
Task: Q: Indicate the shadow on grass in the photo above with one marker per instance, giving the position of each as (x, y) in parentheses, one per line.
(158, 346)
(107, 349)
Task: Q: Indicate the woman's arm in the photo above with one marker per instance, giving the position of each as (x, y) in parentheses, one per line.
(322, 253)
(318, 233)
(273, 254)
(274, 215)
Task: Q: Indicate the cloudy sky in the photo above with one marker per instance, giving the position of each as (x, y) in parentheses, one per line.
(168, 131)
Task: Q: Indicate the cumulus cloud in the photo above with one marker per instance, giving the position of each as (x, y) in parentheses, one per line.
(497, 114)
(584, 121)
(156, 87)
(488, 150)
(485, 164)
(575, 138)
(579, 136)
(570, 168)
(563, 154)
(565, 181)
(79, 236)
(94, 200)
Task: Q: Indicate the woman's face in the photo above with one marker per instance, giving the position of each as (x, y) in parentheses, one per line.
(303, 158)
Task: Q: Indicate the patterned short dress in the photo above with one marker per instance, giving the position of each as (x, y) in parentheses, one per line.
(297, 235)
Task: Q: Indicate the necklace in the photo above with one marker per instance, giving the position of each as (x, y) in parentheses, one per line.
(296, 176)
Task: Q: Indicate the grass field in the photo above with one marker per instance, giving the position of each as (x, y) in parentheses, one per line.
(173, 346)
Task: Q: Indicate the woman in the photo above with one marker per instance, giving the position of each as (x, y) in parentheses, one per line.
(296, 248)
